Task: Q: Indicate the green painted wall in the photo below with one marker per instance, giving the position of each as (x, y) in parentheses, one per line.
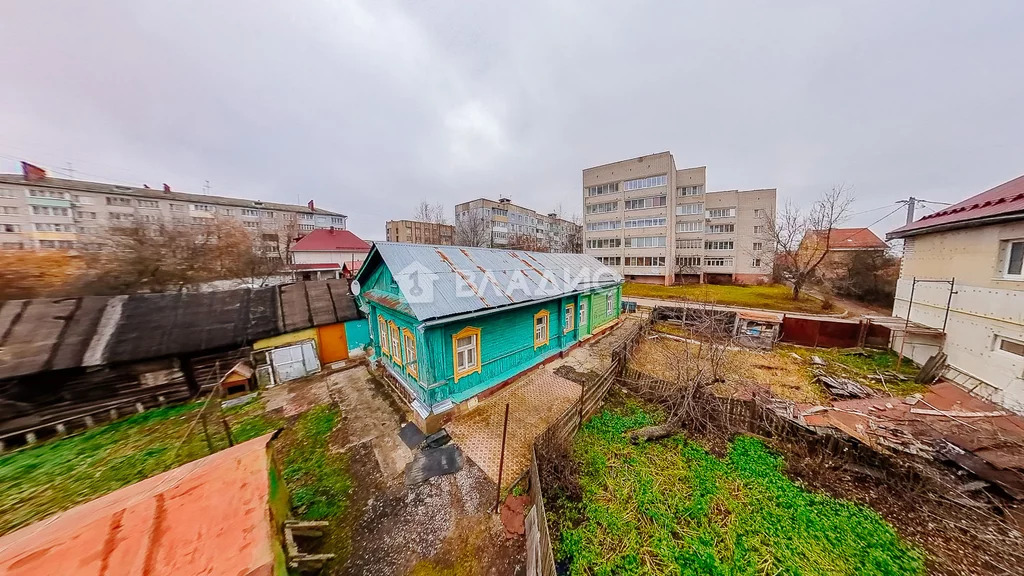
(357, 334)
(599, 312)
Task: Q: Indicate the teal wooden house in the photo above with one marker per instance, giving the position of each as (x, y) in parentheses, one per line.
(449, 323)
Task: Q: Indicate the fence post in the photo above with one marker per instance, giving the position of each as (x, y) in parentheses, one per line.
(501, 461)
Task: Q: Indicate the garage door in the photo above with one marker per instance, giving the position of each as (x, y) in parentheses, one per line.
(291, 362)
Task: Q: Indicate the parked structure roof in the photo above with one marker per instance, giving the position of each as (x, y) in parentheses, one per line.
(847, 239)
(58, 334)
(158, 194)
(1002, 203)
(330, 240)
(210, 516)
(440, 281)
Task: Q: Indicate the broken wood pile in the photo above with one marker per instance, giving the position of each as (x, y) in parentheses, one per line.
(839, 387)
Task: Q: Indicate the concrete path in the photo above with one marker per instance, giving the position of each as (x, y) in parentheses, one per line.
(534, 402)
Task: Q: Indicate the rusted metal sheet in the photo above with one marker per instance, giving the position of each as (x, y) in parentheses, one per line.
(820, 332)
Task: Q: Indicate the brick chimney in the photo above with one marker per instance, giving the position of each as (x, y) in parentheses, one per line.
(311, 207)
(31, 172)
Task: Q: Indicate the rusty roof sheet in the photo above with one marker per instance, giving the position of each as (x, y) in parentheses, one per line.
(456, 280)
(210, 516)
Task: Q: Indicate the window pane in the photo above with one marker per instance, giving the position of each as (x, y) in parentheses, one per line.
(1016, 258)
(1012, 347)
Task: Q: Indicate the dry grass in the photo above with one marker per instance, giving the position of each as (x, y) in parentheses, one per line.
(743, 369)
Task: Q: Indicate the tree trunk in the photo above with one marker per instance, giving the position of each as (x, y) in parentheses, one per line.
(797, 286)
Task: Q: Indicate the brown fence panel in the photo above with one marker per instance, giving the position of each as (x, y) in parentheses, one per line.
(821, 332)
(878, 336)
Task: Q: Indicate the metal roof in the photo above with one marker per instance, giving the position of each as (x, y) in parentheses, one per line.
(439, 281)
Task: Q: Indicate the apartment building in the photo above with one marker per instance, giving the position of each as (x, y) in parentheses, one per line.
(501, 223)
(40, 212)
(416, 232)
(655, 223)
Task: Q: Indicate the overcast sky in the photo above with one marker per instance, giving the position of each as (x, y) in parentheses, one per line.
(369, 107)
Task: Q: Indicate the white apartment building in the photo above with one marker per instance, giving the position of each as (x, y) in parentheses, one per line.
(655, 223)
(39, 212)
(506, 223)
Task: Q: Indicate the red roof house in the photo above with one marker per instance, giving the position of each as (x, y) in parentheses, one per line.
(222, 514)
(328, 249)
(1000, 204)
(847, 239)
(331, 240)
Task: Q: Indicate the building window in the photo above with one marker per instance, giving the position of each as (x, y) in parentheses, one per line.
(7, 210)
(48, 211)
(721, 228)
(603, 207)
(54, 228)
(396, 344)
(177, 207)
(609, 303)
(645, 222)
(570, 317)
(693, 244)
(689, 226)
(409, 341)
(466, 351)
(1014, 260)
(250, 212)
(755, 263)
(604, 243)
(686, 261)
(647, 242)
(81, 215)
(1010, 346)
(760, 213)
(648, 261)
(693, 208)
(758, 229)
(650, 202)
(718, 262)
(603, 225)
(227, 211)
(641, 183)
(337, 221)
(118, 201)
(148, 204)
(6, 193)
(721, 212)
(689, 191)
(12, 246)
(719, 245)
(382, 329)
(10, 228)
(603, 189)
(51, 194)
(758, 246)
(249, 224)
(203, 208)
(610, 260)
(540, 328)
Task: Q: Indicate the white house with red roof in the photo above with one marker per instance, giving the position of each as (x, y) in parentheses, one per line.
(978, 246)
(322, 253)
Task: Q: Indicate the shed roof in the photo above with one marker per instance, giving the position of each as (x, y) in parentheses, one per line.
(1005, 201)
(330, 240)
(59, 334)
(210, 516)
(439, 281)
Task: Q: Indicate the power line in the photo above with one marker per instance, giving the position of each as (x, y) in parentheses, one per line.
(898, 208)
(872, 210)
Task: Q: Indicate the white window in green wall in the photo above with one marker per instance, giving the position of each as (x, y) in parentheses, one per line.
(465, 353)
(540, 328)
(610, 303)
(570, 317)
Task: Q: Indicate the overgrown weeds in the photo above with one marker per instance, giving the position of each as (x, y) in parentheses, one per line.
(317, 476)
(670, 507)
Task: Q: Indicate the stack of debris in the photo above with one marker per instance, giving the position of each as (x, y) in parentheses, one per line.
(436, 455)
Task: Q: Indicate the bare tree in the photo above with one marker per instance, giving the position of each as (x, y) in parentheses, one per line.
(529, 242)
(472, 229)
(689, 366)
(431, 213)
(787, 231)
(574, 235)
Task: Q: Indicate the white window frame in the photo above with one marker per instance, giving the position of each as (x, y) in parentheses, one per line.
(610, 303)
(463, 353)
(997, 346)
(1007, 260)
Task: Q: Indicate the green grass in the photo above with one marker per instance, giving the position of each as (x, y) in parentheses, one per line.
(317, 476)
(864, 366)
(670, 507)
(39, 481)
(770, 296)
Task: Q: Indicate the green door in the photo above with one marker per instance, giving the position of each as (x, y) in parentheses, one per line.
(584, 321)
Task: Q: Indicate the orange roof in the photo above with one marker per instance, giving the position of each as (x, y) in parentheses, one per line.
(848, 239)
(211, 516)
(330, 240)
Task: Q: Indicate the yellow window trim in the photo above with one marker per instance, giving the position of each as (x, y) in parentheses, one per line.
(391, 334)
(467, 331)
(571, 309)
(411, 367)
(547, 324)
(385, 341)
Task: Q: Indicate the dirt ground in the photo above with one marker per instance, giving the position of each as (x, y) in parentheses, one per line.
(441, 526)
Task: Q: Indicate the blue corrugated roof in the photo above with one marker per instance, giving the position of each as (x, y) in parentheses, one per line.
(439, 281)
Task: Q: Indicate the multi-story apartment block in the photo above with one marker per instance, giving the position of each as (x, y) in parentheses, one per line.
(503, 224)
(416, 232)
(39, 212)
(655, 223)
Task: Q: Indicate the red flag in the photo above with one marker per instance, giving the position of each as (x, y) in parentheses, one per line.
(32, 172)
(310, 205)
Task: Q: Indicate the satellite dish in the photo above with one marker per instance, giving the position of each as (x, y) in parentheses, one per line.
(354, 286)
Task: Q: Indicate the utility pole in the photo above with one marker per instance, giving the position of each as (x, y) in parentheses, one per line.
(206, 188)
(910, 209)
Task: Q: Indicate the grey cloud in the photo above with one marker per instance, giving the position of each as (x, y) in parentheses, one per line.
(371, 106)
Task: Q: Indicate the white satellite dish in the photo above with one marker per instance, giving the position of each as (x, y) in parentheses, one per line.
(354, 287)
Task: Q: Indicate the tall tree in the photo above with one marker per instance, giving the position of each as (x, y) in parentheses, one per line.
(37, 273)
(432, 213)
(785, 231)
(472, 229)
